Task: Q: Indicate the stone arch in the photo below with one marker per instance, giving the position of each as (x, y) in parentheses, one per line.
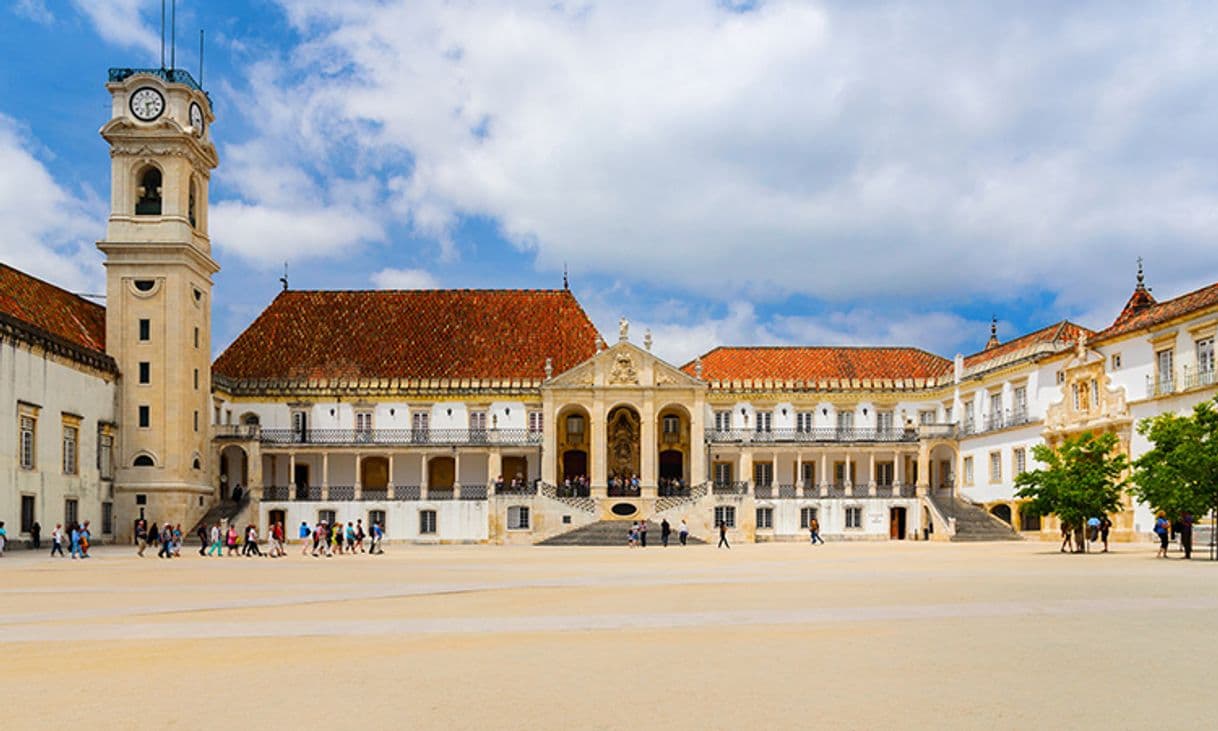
(234, 470)
(574, 440)
(623, 435)
(441, 473)
(673, 445)
(1002, 511)
(149, 189)
(143, 459)
(374, 473)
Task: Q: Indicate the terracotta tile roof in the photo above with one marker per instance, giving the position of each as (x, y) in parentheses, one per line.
(1057, 336)
(52, 311)
(819, 363)
(1159, 312)
(416, 334)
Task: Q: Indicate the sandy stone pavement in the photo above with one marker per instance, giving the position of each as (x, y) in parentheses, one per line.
(886, 635)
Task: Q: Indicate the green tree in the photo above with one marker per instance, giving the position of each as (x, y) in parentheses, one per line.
(1180, 473)
(1082, 478)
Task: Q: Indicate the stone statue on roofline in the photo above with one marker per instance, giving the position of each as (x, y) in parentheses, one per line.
(623, 329)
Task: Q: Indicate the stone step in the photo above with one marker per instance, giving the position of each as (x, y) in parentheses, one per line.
(973, 523)
(608, 533)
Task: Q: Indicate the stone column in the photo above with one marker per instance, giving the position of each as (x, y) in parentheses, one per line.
(494, 466)
(824, 472)
(423, 476)
(923, 469)
(600, 445)
(359, 477)
(871, 472)
(648, 443)
(389, 481)
(698, 468)
(325, 475)
(746, 465)
(799, 470)
(456, 473)
(292, 475)
(253, 462)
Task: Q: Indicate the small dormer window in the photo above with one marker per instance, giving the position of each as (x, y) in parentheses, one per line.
(148, 193)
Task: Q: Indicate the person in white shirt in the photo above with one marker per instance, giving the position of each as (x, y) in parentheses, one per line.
(57, 540)
(683, 532)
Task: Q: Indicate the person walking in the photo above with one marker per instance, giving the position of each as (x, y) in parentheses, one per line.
(230, 541)
(1105, 526)
(166, 543)
(642, 534)
(665, 532)
(216, 548)
(1066, 543)
(202, 534)
(57, 540)
(1186, 534)
(141, 536)
(359, 534)
(177, 540)
(1161, 528)
(378, 535)
(303, 533)
(36, 535)
(814, 531)
(74, 545)
(350, 537)
(683, 532)
(85, 536)
(3, 538)
(723, 535)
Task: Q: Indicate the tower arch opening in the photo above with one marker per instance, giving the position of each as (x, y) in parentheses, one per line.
(148, 191)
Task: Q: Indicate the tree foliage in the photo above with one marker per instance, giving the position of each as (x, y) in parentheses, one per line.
(1080, 479)
(1180, 473)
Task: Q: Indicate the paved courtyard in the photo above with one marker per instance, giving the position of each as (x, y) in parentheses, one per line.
(907, 635)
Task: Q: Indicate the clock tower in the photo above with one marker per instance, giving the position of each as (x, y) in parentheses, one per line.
(158, 294)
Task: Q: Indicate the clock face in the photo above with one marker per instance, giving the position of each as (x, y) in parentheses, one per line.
(147, 104)
(196, 119)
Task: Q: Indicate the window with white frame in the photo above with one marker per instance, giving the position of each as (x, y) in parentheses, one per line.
(477, 422)
(1164, 371)
(884, 472)
(1078, 402)
(968, 470)
(518, 517)
(300, 424)
(806, 516)
(1020, 397)
(363, 424)
(765, 421)
(420, 422)
(948, 415)
(671, 424)
(845, 420)
(725, 515)
(995, 408)
(884, 422)
(723, 421)
(995, 466)
(926, 416)
(1205, 362)
(765, 518)
(763, 474)
(575, 425)
(723, 473)
(1019, 459)
(26, 444)
(427, 522)
(1095, 394)
(809, 473)
(535, 422)
(70, 441)
(804, 421)
(854, 517)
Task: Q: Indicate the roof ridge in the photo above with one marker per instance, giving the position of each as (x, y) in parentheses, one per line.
(431, 290)
(40, 280)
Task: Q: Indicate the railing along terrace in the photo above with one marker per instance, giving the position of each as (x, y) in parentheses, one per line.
(342, 492)
(1005, 419)
(235, 431)
(276, 492)
(402, 437)
(507, 489)
(378, 494)
(811, 436)
(1197, 379)
(434, 493)
(730, 488)
(307, 493)
(1161, 385)
(407, 492)
(763, 491)
(673, 491)
(473, 492)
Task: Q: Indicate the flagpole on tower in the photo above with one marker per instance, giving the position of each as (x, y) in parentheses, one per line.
(173, 35)
(162, 33)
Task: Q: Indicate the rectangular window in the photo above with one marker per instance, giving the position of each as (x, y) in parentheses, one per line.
(763, 474)
(107, 518)
(70, 434)
(196, 338)
(884, 422)
(70, 511)
(376, 517)
(196, 379)
(968, 470)
(854, 517)
(765, 518)
(764, 421)
(809, 473)
(725, 515)
(845, 420)
(575, 426)
(196, 420)
(884, 472)
(1205, 362)
(326, 516)
(105, 452)
(145, 330)
(517, 517)
(1021, 402)
(300, 425)
(1164, 374)
(28, 424)
(843, 471)
(427, 522)
(1074, 392)
(145, 372)
(145, 417)
(806, 516)
(1095, 394)
(996, 410)
(477, 421)
(1020, 460)
(803, 422)
(723, 473)
(723, 421)
(535, 422)
(27, 513)
(363, 423)
(995, 466)
(1061, 377)
(671, 424)
(948, 415)
(1116, 361)
(926, 416)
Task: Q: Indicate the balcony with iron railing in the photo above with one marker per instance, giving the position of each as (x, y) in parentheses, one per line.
(995, 421)
(1189, 379)
(811, 436)
(379, 437)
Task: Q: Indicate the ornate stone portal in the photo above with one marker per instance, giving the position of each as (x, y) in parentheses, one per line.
(623, 457)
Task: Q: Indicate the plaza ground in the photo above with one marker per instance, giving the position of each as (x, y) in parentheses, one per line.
(909, 635)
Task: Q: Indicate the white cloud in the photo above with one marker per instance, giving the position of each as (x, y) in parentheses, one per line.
(35, 10)
(267, 235)
(49, 231)
(121, 23)
(404, 279)
(851, 152)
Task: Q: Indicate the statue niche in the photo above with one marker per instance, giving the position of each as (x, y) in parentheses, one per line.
(623, 458)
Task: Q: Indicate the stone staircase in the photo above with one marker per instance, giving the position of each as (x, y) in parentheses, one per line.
(609, 533)
(225, 510)
(585, 504)
(696, 493)
(973, 523)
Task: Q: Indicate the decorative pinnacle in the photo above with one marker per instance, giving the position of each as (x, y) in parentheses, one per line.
(993, 326)
(1141, 274)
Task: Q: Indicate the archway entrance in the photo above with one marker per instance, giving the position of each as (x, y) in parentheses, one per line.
(234, 472)
(1002, 512)
(441, 473)
(672, 465)
(374, 473)
(623, 445)
(574, 464)
(672, 447)
(896, 524)
(574, 435)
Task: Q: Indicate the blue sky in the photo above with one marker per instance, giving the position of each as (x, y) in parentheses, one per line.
(720, 172)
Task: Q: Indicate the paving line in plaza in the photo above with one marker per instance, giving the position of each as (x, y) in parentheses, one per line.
(583, 623)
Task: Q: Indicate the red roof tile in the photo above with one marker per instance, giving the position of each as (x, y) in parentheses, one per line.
(1062, 334)
(424, 334)
(1156, 313)
(53, 311)
(819, 363)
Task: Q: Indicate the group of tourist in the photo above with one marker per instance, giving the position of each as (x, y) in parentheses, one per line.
(1165, 529)
(76, 535)
(517, 485)
(578, 486)
(329, 540)
(625, 486)
(637, 535)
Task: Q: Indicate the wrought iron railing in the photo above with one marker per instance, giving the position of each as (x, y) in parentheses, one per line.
(624, 491)
(1197, 379)
(307, 493)
(407, 492)
(341, 492)
(786, 492)
(400, 437)
(473, 492)
(434, 493)
(173, 76)
(729, 488)
(276, 493)
(377, 494)
(526, 489)
(763, 491)
(673, 491)
(809, 436)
